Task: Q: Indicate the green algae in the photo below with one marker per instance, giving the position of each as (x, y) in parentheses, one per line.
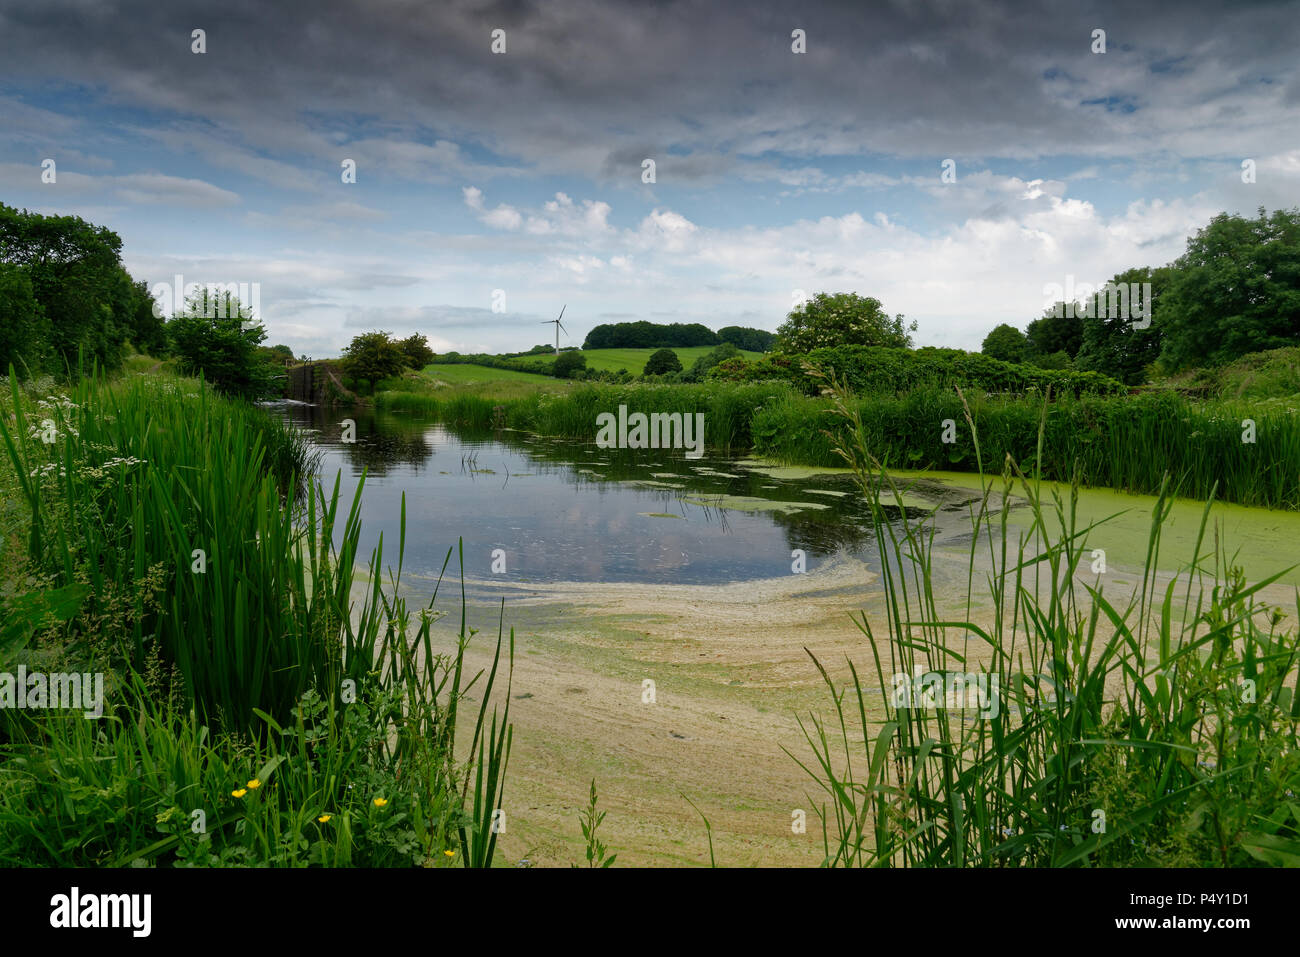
(1265, 541)
(746, 503)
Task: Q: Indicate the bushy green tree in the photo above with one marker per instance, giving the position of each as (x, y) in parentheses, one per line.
(278, 355)
(662, 362)
(1124, 347)
(148, 325)
(416, 349)
(1005, 342)
(1051, 333)
(569, 363)
(1234, 291)
(372, 356)
(747, 338)
(843, 319)
(216, 336)
(1058, 360)
(76, 276)
(701, 366)
(24, 330)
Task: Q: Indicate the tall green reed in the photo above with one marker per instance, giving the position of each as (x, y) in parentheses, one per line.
(1159, 729)
(276, 671)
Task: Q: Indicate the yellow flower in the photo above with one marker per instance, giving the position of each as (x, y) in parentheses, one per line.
(239, 793)
(324, 818)
(254, 784)
(450, 853)
(380, 802)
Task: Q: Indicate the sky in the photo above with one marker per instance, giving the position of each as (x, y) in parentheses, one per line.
(493, 188)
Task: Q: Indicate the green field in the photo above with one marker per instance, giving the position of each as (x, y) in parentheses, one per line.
(634, 360)
(455, 374)
(607, 360)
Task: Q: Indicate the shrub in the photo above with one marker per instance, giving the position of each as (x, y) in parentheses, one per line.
(662, 362)
(569, 365)
(885, 371)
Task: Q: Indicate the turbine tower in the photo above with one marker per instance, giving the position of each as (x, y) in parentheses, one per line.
(558, 327)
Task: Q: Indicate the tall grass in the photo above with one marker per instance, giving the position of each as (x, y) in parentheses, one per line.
(1128, 442)
(728, 409)
(245, 683)
(1244, 452)
(1152, 728)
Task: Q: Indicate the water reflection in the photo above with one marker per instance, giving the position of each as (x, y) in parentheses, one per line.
(569, 511)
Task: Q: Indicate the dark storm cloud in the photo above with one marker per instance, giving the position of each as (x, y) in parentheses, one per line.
(588, 87)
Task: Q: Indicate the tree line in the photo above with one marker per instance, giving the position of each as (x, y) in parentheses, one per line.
(1234, 291)
(65, 295)
(675, 335)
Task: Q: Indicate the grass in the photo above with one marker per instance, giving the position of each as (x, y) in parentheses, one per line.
(728, 408)
(634, 360)
(1127, 443)
(1155, 728)
(461, 374)
(1273, 374)
(264, 706)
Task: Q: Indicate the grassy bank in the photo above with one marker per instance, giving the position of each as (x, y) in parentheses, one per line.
(1156, 727)
(163, 538)
(1127, 443)
(1121, 442)
(728, 409)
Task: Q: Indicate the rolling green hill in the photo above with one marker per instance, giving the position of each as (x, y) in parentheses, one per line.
(458, 374)
(634, 360)
(607, 360)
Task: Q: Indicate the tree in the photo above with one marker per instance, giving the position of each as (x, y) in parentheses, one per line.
(278, 355)
(1053, 333)
(148, 326)
(24, 330)
(76, 276)
(743, 337)
(1005, 342)
(1235, 290)
(1120, 346)
(568, 364)
(416, 349)
(373, 356)
(841, 319)
(649, 335)
(218, 337)
(704, 363)
(662, 362)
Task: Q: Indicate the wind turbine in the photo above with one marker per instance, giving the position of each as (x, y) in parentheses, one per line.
(558, 327)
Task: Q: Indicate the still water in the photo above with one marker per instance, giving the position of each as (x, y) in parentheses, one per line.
(561, 510)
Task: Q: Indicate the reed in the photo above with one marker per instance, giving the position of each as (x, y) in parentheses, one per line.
(166, 528)
(1154, 728)
(1242, 452)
